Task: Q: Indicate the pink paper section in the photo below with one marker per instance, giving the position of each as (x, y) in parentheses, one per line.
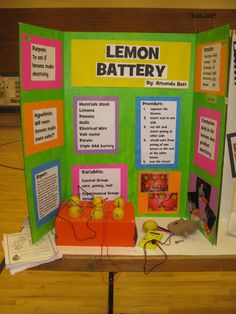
(123, 174)
(27, 83)
(199, 159)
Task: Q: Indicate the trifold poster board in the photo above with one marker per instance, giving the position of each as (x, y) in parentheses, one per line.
(131, 114)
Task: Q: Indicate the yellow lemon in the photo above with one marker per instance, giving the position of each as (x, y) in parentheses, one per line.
(74, 211)
(149, 225)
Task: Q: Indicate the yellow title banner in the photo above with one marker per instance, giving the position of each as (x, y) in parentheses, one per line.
(124, 63)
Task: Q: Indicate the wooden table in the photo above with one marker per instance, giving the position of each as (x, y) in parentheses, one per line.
(92, 263)
(114, 264)
(209, 259)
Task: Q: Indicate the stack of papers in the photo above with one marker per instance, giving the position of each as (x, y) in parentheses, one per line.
(21, 254)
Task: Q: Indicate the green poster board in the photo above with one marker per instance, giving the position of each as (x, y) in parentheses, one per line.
(208, 129)
(108, 114)
(42, 111)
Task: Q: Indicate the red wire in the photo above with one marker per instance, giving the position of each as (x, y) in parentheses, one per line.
(157, 243)
(72, 225)
(109, 257)
(73, 229)
(103, 242)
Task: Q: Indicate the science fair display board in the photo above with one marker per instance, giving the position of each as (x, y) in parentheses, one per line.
(208, 130)
(123, 114)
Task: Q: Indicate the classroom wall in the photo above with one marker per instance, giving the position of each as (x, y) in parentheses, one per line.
(103, 20)
(112, 16)
(200, 4)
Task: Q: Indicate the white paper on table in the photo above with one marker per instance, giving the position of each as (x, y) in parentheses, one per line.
(17, 268)
(20, 252)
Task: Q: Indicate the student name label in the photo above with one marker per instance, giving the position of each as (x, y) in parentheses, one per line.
(96, 125)
(158, 132)
(42, 63)
(45, 125)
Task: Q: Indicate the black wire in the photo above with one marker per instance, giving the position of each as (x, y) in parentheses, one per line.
(146, 272)
(10, 167)
(6, 166)
(80, 188)
(2, 265)
(12, 142)
(157, 243)
(167, 239)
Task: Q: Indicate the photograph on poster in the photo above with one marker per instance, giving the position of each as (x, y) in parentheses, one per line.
(157, 131)
(151, 182)
(231, 138)
(162, 202)
(41, 62)
(95, 125)
(46, 185)
(202, 204)
(159, 192)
